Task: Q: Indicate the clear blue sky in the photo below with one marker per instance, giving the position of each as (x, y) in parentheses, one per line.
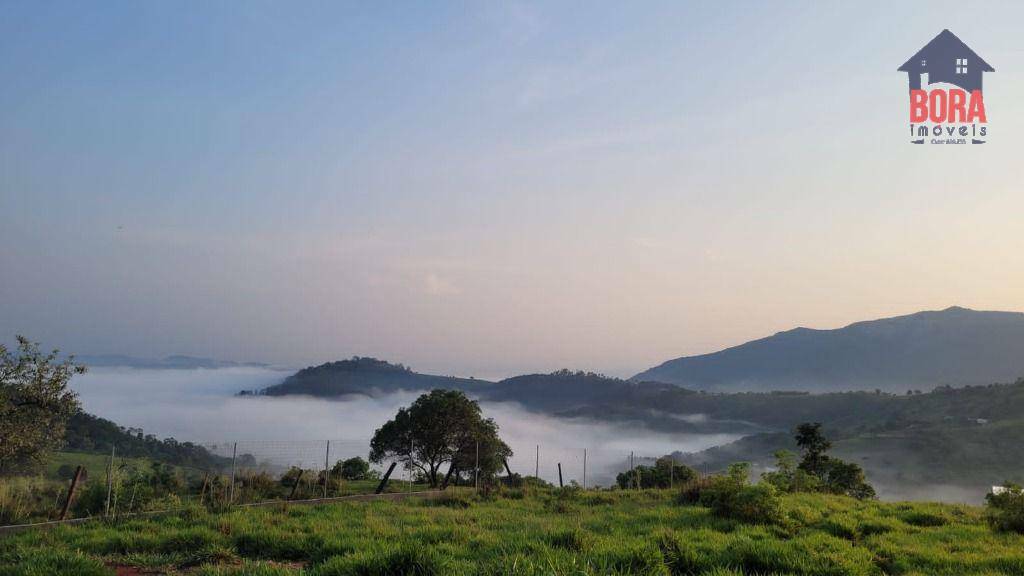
(489, 188)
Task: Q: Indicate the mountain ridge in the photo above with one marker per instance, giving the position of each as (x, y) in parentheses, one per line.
(955, 346)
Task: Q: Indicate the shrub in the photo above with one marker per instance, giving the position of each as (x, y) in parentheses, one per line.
(1005, 511)
(690, 493)
(354, 469)
(664, 474)
(731, 496)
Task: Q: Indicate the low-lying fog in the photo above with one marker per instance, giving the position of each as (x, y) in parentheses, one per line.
(200, 406)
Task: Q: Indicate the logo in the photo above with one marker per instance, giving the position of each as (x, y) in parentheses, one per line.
(947, 105)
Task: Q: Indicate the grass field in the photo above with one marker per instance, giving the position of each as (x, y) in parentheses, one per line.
(547, 532)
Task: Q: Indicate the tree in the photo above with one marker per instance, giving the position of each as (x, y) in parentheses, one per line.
(352, 469)
(442, 426)
(848, 478)
(787, 477)
(663, 474)
(830, 474)
(35, 404)
(814, 445)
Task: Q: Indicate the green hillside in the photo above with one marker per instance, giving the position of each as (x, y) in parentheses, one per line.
(364, 376)
(540, 533)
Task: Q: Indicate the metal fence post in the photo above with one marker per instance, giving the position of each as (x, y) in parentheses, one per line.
(536, 464)
(327, 470)
(584, 468)
(231, 488)
(476, 471)
(110, 480)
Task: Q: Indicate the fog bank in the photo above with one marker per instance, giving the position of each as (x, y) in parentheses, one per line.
(199, 405)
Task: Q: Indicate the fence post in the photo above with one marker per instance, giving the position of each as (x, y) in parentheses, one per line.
(412, 448)
(110, 480)
(384, 480)
(672, 474)
(476, 471)
(536, 464)
(560, 485)
(632, 475)
(296, 485)
(71, 492)
(448, 476)
(327, 471)
(584, 468)
(231, 488)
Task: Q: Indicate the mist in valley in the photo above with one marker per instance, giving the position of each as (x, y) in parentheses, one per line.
(201, 406)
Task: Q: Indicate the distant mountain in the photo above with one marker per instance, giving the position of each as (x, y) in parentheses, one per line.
(368, 376)
(955, 346)
(176, 362)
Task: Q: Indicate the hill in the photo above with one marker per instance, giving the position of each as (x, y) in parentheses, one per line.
(951, 444)
(91, 434)
(368, 376)
(955, 346)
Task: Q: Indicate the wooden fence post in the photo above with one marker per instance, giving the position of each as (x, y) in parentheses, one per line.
(202, 489)
(231, 487)
(384, 481)
(71, 493)
(560, 485)
(296, 485)
(448, 476)
(327, 471)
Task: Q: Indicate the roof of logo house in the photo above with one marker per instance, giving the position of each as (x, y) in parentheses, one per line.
(946, 59)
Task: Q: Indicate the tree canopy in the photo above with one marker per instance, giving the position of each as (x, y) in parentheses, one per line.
(441, 427)
(825, 473)
(35, 404)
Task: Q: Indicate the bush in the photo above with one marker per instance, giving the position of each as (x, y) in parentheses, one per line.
(731, 496)
(664, 474)
(354, 469)
(690, 493)
(1005, 511)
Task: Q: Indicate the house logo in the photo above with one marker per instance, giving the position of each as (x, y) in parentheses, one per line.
(947, 105)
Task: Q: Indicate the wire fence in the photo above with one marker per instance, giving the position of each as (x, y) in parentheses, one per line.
(254, 472)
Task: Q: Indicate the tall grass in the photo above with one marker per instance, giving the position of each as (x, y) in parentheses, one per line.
(567, 532)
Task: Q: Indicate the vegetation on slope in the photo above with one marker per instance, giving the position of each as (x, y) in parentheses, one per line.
(953, 346)
(540, 532)
(364, 376)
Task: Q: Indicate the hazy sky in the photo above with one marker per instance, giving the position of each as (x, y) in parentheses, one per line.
(490, 188)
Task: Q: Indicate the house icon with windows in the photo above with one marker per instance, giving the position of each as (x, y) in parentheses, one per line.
(946, 59)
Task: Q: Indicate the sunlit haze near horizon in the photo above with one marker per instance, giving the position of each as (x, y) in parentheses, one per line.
(490, 189)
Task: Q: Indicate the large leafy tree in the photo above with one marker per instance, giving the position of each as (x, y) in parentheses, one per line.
(814, 445)
(441, 427)
(829, 474)
(35, 404)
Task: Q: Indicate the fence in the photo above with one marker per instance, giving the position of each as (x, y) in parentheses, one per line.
(254, 472)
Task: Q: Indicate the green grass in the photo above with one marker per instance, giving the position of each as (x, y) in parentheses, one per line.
(545, 532)
(96, 464)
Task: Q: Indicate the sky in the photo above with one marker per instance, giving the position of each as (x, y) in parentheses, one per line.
(490, 188)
